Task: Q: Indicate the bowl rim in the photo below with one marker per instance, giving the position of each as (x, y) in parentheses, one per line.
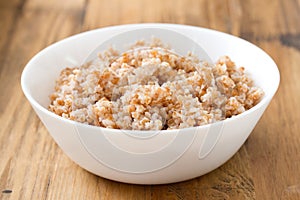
(265, 99)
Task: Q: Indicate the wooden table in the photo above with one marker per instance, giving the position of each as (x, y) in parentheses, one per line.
(32, 166)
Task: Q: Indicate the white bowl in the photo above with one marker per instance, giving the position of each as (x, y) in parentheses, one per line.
(148, 157)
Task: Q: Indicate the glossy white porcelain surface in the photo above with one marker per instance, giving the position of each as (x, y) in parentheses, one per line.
(148, 157)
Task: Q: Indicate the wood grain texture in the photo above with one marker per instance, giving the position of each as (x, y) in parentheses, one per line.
(32, 166)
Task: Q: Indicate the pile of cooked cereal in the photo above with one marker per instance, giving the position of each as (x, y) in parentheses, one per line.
(149, 87)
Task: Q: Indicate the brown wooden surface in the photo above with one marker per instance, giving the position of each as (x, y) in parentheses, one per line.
(33, 167)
